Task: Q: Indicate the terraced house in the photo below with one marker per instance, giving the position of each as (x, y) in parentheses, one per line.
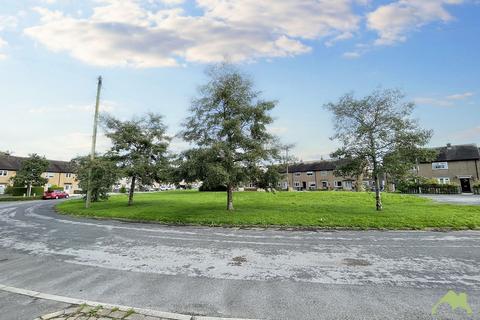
(318, 175)
(458, 164)
(58, 173)
(454, 164)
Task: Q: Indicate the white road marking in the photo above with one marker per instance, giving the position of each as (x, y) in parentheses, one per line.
(148, 312)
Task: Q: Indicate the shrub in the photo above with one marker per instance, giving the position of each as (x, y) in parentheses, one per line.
(123, 189)
(476, 188)
(430, 186)
(205, 188)
(55, 188)
(20, 191)
(8, 190)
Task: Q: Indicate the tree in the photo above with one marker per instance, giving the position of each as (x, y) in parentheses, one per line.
(351, 167)
(30, 172)
(228, 125)
(270, 177)
(139, 146)
(374, 128)
(105, 174)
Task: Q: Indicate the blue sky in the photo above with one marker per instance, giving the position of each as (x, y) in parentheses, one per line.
(303, 53)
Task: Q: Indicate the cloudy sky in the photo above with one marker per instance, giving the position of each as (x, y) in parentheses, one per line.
(303, 53)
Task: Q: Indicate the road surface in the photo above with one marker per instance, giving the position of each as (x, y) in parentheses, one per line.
(261, 274)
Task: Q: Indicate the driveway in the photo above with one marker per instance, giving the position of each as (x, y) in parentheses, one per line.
(467, 199)
(262, 274)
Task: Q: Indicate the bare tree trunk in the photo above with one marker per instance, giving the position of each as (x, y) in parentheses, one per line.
(359, 187)
(132, 190)
(229, 198)
(378, 196)
(29, 190)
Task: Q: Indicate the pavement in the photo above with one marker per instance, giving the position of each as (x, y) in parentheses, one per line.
(464, 199)
(242, 273)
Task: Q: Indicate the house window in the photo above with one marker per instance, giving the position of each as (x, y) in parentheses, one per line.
(443, 180)
(297, 174)
(324, 173)
(312, 185)
(68, 175)
(338, 184)
(67, 187)
(297, 184)
(324, 184)
(309, 173)
(439, 165)
(3, 173)
(49, 175)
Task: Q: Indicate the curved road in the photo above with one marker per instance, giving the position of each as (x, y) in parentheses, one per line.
(265, 274)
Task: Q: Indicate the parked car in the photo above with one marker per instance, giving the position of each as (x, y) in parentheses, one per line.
(55, 194)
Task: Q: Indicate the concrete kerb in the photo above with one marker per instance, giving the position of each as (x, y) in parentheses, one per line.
(148, 312)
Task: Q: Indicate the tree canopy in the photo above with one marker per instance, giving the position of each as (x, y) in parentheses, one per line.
(139, 147)
(104, 174)
(228, 127)
(377, 134)
(30, 172)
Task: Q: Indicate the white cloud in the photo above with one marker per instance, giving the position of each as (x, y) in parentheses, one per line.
(446, 101)
(351, 55)
(460, 96)
(6, 22)
(126, 33)
(395, 20)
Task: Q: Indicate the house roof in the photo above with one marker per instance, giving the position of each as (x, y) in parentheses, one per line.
(458, 152)
(14, 163)
(323, 165)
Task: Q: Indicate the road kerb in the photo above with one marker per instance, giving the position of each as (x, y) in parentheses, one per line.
(148, 312)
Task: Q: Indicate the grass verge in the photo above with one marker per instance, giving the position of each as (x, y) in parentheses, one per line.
(348, 210)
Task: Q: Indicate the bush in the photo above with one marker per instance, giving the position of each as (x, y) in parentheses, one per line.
(476, 188)
(20, 191)
(123, 189)
(205, 188)
(8, 190)
(430, 186)
(55, 188)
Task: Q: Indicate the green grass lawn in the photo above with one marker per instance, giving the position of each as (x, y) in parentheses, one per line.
(295, 209)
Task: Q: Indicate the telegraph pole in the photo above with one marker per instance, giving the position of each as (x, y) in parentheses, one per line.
(94, 142)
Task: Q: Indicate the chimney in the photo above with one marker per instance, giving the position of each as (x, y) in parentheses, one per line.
(449, 145)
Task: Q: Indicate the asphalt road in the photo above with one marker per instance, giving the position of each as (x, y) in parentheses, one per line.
(264, 274)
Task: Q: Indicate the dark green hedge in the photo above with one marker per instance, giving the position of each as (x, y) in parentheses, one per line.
(20, 191)
(425, 188)
(476, 189)
(205, 188)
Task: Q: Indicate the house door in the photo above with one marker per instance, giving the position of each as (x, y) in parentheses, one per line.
(304, 185)
(465, 184)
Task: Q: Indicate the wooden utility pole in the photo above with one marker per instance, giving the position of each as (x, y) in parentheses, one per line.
(94, 142)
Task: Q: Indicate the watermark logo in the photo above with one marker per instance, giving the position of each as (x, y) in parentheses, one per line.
(455, 301)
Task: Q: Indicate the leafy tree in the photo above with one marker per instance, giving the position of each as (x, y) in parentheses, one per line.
(104, 175)
(377, 131)
(30, 172)
(270, 177)
(351, 167)
(228, 125)
(139, 146)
